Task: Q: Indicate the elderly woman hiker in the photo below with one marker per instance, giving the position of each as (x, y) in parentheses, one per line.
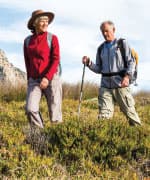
(42, 58)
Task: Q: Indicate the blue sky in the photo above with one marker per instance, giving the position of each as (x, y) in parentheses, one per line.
(76, 24)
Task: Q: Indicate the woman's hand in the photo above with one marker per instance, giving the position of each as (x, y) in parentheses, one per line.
(44, 83)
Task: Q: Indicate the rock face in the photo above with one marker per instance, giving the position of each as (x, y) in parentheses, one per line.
(9, 74)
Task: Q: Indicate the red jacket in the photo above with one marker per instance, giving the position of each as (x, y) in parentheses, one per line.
(40, 60)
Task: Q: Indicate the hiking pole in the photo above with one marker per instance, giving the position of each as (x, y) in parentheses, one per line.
(81, 90)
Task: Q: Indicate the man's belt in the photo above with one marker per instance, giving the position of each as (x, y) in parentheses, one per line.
(120, 73)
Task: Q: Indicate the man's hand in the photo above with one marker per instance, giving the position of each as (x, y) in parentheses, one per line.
(86, 60)
(125, 81)
(44, 83)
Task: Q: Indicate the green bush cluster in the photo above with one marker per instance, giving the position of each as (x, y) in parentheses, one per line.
(107, 143)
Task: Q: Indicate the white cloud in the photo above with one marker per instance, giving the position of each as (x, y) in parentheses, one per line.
(13, 33)
(74, 75)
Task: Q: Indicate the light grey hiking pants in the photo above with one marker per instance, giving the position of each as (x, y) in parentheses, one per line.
(123, 96)
(53, 94)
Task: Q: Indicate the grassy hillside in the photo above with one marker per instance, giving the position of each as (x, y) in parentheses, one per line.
(82, 148)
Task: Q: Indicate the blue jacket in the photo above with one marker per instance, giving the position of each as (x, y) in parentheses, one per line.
(110, 63)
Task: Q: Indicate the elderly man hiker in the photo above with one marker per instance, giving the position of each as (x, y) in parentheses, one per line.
(41, 54)
(115, 76)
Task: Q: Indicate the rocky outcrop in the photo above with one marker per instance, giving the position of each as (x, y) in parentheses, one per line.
(9, 74)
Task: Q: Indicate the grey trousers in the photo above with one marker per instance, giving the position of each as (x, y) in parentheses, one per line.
(123, 96)
(53, 94)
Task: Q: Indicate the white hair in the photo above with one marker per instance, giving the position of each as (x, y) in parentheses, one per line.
(39, 19)
(106, 22)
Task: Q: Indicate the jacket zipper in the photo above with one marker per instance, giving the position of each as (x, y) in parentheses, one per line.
(109, 66)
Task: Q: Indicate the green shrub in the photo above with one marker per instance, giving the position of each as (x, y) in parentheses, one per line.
(76, 149)
(108, 143)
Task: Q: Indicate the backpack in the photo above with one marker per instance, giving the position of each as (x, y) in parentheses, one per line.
(134, 56)
(122, 50)
(49, 41)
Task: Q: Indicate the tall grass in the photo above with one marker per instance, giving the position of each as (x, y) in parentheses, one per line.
(10, 93)
(70, 91)
(142, 98)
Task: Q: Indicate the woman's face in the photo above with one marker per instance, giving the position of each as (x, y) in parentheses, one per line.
(41, 24)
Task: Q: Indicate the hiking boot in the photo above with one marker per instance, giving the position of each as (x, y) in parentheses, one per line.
(134, 123)
(37, 123)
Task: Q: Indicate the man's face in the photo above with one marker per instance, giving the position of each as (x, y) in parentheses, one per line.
(42, 25)
(108, 32)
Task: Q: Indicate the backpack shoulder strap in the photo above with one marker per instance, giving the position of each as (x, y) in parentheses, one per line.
(27, 40)
(122, 50)
(49, 39)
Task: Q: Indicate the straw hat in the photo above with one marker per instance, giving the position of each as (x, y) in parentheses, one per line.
(39, 13)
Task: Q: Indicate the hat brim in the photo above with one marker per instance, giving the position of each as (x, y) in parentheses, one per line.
(32, 19)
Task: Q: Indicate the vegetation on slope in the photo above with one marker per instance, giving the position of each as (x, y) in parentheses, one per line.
(82, 148)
